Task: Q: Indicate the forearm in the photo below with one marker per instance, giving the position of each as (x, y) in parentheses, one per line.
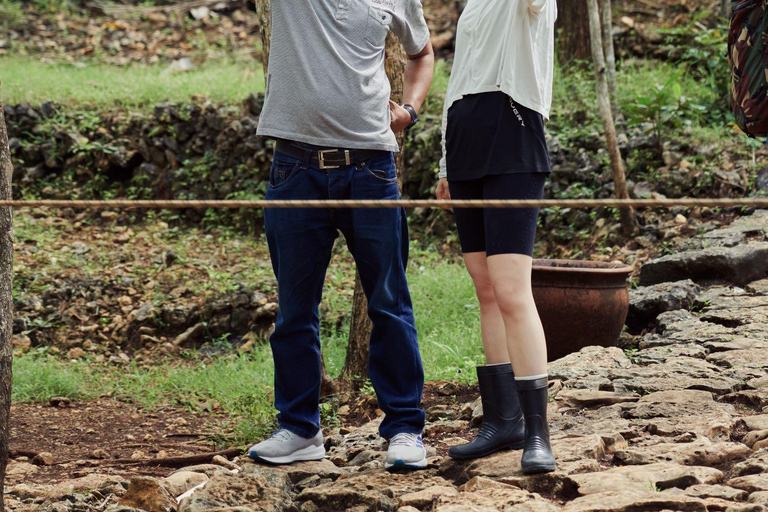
(418, 77)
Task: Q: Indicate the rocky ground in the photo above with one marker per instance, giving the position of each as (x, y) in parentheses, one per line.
(675, 419)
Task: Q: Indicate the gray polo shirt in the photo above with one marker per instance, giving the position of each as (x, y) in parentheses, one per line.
(326, 83)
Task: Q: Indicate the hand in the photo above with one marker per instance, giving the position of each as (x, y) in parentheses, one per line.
(400, 119)
(442, 192)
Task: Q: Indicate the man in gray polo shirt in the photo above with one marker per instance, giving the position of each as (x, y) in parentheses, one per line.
(327, 105)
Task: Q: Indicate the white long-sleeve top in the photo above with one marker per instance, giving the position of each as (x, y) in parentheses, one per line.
(504, 45)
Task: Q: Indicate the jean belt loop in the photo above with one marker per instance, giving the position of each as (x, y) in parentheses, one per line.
(306, 160)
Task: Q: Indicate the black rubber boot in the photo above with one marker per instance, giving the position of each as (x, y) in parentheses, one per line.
(537, 455)
(503, 426)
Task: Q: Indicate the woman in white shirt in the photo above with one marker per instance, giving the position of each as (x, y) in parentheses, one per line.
(498, 98)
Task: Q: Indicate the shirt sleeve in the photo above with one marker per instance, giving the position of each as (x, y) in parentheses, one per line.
(410, 27)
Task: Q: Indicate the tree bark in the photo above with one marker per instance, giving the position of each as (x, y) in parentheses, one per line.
(6, 302)
(328, 386)
(573, 40)
(610, 56)
(355, 370)
(265, 28)
(725, 8)
(604, 101)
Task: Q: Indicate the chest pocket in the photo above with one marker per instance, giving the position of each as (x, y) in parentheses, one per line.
(377, 27)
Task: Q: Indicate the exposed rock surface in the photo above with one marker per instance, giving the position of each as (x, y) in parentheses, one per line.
(676, 424)
(738, 265)
(647, 302)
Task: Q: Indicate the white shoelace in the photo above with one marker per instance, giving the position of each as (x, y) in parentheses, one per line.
(404, 440)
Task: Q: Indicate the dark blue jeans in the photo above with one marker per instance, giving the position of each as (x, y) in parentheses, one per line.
(300, 245)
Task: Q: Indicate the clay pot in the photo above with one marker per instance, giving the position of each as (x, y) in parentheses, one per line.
(581, 303)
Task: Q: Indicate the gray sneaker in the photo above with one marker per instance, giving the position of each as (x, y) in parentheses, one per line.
(406, 451)
(285, 447)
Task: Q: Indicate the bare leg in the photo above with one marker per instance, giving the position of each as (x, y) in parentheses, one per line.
(492, 323)
(510, 275)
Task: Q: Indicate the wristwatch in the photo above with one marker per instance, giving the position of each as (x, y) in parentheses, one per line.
(414, 115)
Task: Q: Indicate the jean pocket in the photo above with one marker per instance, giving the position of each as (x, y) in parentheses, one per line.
(381, 169)
(281, 173)
(377, 28)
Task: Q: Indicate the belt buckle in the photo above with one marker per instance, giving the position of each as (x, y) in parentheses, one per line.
(321, 158)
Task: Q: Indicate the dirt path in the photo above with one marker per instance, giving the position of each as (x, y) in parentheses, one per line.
(105, 434)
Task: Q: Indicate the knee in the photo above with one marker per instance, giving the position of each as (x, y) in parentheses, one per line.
(513, 299)
(484, 289)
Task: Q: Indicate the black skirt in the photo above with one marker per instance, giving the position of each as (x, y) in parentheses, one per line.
(490, 134)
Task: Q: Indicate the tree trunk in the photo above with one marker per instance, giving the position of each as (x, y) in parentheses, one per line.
(725, 8)
(610, 57)
(6, 301)
(573, 40)
(328, 386)
(265, 28)
(604, 100)
(355, 371)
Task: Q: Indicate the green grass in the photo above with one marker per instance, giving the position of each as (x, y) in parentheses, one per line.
(140, 86)
(37, 379)
(449, 337)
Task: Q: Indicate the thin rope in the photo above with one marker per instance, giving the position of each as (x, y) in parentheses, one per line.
(761, 202)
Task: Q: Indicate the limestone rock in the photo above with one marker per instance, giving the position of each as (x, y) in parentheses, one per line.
(43, 459)
(608, 422)
(426, 497)
(224, 462)
(148, 494)
(207, 469)
(296, 472)
(738, 265)
(750, 483)
(442, 428)
(226, 490)
(758, 287)
(700, 452)
(757, 422)
(20, 472)
(736, 316)
(675, 373)
(756, 463)
(647, 302)
(376, 490)
(754, 437)
(670, 412)
(486, 494)
(635, 500)
(759, 497)
(589, 367)
(26, 491)
(662, 353)
(662, 476)
(588, 398)
(715, 491)
(182, 481)
(86, 483)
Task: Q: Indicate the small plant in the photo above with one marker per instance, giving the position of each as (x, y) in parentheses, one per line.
(664, 106)
(651, 486)
(329, 414)
(367, 388)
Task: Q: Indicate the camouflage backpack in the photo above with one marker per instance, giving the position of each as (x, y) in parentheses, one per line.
(748, 57)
